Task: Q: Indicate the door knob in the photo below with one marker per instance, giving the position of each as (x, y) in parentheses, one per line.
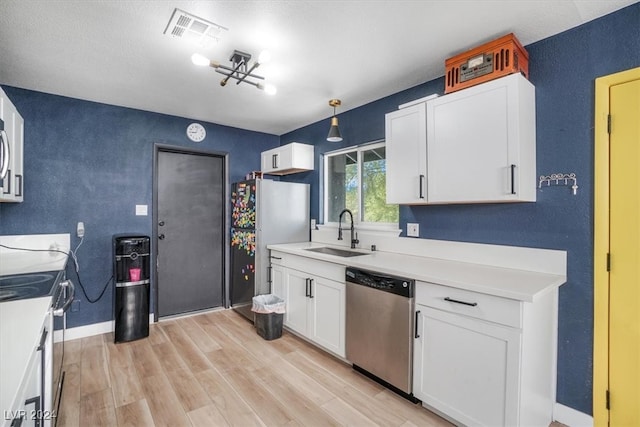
(161, 236)
(161, 223)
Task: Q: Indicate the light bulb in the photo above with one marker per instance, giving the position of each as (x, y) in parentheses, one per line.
(270, 89)
(200, 60)
(264, 57)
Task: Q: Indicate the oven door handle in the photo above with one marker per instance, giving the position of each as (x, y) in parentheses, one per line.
(72, 293)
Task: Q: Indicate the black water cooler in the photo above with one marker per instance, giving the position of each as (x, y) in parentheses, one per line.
(131, 272)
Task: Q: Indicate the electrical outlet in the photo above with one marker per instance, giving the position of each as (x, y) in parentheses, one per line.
(75, 305)
(413, 229)
(80, 229)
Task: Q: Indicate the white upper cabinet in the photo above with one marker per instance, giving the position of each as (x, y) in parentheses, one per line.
(287, 159)
(477, 145)
(12, 186)
(481, 143)
(406, 151)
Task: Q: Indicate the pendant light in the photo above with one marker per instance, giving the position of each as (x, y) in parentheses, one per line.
(334, 131)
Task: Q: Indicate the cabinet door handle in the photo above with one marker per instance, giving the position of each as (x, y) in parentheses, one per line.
(421, 186)
(416, 335)
(18, 185)
(513, 179)
(274, 161)
(472, 304)
(275, 257)
(38, 414)
(310, 288)
(306, 287)
(269, 280)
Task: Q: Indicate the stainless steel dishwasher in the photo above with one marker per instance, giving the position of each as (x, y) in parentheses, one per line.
(380, 325)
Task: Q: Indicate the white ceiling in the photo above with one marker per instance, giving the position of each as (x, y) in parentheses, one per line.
(115, 52)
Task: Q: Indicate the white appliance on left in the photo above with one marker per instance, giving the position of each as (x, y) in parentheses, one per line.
(11, 151)
(33, 296)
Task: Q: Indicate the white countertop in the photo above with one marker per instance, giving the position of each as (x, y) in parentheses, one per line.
(21, 321)
(510, 283)
(33, 253)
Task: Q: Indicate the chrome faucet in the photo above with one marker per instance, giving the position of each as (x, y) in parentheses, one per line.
(354, 235)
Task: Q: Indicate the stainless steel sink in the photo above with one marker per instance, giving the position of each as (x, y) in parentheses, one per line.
(337, 252)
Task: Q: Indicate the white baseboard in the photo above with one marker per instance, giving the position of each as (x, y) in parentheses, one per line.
(571, 417)
(88, 330)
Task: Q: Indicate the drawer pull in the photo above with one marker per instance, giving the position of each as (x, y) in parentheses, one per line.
(275, 257)
(472, 304)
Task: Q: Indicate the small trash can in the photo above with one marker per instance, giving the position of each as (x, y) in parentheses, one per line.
(269, 313)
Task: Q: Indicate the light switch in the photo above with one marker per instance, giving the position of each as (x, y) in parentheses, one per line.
(413, 229)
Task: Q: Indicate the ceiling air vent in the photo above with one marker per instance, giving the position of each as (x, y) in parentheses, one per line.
(189, 27)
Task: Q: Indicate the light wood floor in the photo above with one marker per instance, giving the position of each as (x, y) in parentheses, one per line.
(214, 370)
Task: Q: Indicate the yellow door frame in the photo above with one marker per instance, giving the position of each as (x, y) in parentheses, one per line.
(601, 242)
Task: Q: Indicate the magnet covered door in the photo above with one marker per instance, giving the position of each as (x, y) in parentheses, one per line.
(243, 269)
(243, 204)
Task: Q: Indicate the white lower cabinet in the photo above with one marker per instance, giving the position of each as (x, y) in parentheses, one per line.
(472, 373)
(314, 292)
(483, 360)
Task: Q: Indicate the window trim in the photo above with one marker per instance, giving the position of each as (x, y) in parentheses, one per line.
(386, 226)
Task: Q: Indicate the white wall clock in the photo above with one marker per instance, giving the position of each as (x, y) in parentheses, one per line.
(196, 132)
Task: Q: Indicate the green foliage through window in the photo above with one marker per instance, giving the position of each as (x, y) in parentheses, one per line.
(356, 180)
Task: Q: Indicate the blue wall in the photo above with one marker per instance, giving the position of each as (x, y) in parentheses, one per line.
(93, 162)
(563, 69)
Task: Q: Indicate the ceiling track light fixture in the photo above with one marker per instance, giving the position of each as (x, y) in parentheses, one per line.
(334, 131)
(240, 71)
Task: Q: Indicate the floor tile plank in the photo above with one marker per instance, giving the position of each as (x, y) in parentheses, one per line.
(190, 393)
(96, 409)
(164, 405)
(135, 414)
(230, 404)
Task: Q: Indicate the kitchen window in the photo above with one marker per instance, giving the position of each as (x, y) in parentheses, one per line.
(355, 179)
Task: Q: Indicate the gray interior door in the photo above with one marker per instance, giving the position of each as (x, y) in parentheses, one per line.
(190, 231)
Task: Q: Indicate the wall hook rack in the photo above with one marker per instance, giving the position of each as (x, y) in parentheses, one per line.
(560, 179)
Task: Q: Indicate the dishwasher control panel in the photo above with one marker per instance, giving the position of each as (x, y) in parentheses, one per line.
(384, 282)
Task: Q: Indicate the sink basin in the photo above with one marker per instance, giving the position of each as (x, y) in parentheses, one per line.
(336, 251)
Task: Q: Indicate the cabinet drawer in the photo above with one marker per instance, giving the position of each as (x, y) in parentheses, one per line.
(480, 306)
(309, 266)
(277, 258)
